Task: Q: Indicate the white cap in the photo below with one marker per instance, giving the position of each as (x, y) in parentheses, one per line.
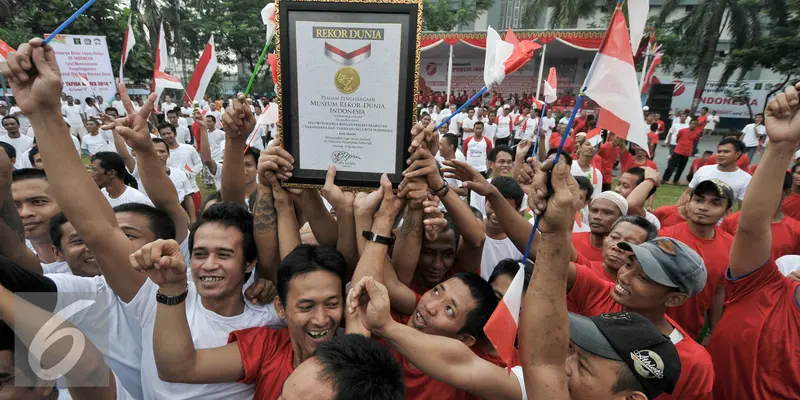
(645, 108)
(506, 107)
(797, 154)
(615, 198)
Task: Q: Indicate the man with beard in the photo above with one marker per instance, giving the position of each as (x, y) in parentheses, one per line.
(604, 210)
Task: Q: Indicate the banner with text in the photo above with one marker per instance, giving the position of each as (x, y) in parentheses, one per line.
(84, 60)
(715, 98)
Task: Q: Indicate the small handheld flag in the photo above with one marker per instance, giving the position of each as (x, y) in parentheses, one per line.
(127, 45)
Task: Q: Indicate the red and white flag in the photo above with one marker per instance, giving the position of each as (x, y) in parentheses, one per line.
(127, 45)
(345, 57)
(550, 86)
(501, 329)
(84, 80)
(614, 87)
(272, 59)
(162, 58)
(651, 70)
(268, 18)
(4, 50)
(203, 72)
(162, 81)
(269, 116)
(503, 57)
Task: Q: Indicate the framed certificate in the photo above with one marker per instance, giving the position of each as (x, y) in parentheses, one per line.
(347, 73)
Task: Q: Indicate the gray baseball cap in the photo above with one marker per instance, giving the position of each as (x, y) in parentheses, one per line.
(671, 263)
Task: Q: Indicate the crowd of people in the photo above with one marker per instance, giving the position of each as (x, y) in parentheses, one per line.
(266, 291)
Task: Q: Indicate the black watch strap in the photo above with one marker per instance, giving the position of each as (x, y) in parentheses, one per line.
(172, 300)
(372, 237)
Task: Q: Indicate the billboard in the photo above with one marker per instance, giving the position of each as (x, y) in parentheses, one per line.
(84, 60)
(715, 98)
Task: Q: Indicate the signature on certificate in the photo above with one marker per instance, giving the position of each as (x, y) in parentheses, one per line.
(339, 157)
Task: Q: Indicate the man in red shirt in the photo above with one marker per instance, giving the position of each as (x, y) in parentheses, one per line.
(791, 204)
(702, 119)
(699, 162)
(637, 159)
(755, 344)
(683, 150)
(708, 203)
(785, 230)
(606, 157)
(604, 210)
(652, 140)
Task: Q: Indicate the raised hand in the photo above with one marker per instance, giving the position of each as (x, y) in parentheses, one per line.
(283, 199)
(261, 291)
(238, 120)
(198, 117)
(650, 173)
(34, 77)
(467, 174)
(422, 164)
(162, 262)
(424, 136)
(133, 126)
(526, 173)
(334, 194)
(274, 160)
(390, 204)
(371, 300)
(782, 117)
(523, 147)
(434, 220)
(366, 204)
(415, 190)
(557, 207)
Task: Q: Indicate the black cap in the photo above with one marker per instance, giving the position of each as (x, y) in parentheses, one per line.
(722, 189)
(634, 340)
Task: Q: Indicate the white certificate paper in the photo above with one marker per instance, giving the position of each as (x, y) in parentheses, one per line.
(348, 89)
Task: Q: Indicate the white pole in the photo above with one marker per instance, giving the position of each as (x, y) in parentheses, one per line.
(541, 69)
(644, 69)
(449, 73)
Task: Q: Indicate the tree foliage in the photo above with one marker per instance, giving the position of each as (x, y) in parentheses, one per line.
(564, 13)
(439, 15)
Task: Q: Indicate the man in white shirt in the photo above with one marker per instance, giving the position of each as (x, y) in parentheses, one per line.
(109, 173)
(729, 150)
(498, 246)
(678, 123)
(583, 167)
(753, 136)
(3, 113)
(101, 103)
(182, 132)
(24, 123)
(186, 113)
(119, 105)
(21, 143)
(212, 111)
(216, 137)
(90, 109)
(489, 126)
(182, 156)
(711, 123)
(477, 149)
(95, 142)
(167, 105)
(548, 124)
(75, 117)
(468, 124)
(504, 127)
(448, 150)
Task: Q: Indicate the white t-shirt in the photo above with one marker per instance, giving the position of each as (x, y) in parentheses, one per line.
(130, 195)
(186, 121)
(215, 140)
(477, 152)
(495, 251)
(182, 134)
(653, 219)
(453, 124)
(564, 120)
(788, 264)
(185, 155)
(73, 114)
(24, 122)
(167, 107)
(478, 201)
(468, 123)
(752, 133)
(97, 143)
(527, 129)
(91, 112)
(673, 131)
(503, 126)
(217, 115)
(593, 175)
(521, 379)
(548, 123)
(737, 180)
(712, 122)
(179, 178)
(21, 144)
(120, 106)
(116, 334)
(209, 330)
(489, 131)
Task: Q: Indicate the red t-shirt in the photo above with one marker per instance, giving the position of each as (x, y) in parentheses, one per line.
(701, 122)
(628, 161)
(590, 295)
(791, 206)
(661, 126)
(605, 159)
(266, 357)
(594, 266)
(691, 315)
(743, 162)
(668, 216)
(569, 144)
(685, 141)
(652, 137)
(582, 245)
(785, 234)
(755, 346)
(696, 164)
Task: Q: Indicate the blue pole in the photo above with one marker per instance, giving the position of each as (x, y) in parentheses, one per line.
(463, 106)
(538, 129)
(69, 21)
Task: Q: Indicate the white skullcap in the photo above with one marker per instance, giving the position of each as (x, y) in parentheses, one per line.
(797, 154)
(615, 198)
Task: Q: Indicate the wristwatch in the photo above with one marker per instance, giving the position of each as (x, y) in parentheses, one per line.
(172, 300)
(372, 237)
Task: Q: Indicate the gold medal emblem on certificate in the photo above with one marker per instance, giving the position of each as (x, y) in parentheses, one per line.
(347, 80)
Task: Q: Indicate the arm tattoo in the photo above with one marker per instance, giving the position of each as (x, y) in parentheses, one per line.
(10, 217)
(265, 218)
(411, 226)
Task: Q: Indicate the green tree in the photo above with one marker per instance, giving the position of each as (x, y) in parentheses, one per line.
(439, 15)
(696, 35)
(565, 13)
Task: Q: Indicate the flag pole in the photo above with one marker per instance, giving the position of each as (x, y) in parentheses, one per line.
(463, 106)
(564, 136)
(69, 21)
(255, 70)
(541, 70)
(539, 128)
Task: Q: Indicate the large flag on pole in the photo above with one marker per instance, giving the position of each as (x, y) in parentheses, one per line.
(637, 15)
(127, 45)
(501, 328)
(503, 57)
(268, 18)
(203, 72)
(162, 58)
(614, 86)
(4, 50)
(550, 86)
(162, 81)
